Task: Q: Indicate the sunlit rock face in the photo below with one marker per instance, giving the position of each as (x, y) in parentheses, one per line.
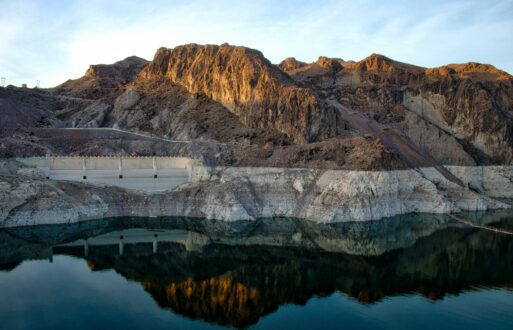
(218, 300)
(290, 63)
(245, 82)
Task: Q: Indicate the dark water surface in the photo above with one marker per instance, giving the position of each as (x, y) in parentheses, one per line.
(411, 272)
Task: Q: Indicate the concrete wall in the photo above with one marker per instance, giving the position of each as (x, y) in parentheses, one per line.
(136, 172)
(90, 163)
(105, 163)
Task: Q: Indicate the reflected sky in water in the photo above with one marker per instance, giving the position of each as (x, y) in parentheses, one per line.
(411, 272)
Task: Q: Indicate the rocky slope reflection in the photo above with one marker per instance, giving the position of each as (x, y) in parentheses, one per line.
(233, 274)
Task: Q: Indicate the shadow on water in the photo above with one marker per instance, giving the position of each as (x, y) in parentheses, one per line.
(235, 273)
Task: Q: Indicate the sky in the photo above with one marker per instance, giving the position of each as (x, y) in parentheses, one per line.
(52, 41)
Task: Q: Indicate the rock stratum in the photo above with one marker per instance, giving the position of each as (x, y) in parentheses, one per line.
(245, 118)
(242, 193)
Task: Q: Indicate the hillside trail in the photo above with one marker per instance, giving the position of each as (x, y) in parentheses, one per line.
(112, 132)
(394, 140)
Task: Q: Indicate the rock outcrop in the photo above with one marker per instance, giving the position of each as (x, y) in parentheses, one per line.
(470, 103)
(104, 76)
(290, 63)
(245, 82)
(121, 70)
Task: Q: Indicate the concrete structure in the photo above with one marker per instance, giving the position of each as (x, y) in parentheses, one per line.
(192, 241)
(151, 174)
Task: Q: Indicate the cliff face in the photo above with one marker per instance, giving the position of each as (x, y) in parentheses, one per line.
(464, 112)
(477, 111)
(250, 86)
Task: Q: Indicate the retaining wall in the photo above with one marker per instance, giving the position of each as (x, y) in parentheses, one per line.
(106, 163)
(141, 173)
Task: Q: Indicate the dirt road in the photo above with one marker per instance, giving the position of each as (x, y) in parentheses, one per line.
(394, 140)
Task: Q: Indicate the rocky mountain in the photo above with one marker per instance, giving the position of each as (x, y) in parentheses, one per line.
(245, 111)
(101, 79)
(459, 113)
(247, 84)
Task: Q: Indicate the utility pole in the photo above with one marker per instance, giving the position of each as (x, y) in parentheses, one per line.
(3, 81)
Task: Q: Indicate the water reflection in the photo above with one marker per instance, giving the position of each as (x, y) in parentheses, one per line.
(234, 273)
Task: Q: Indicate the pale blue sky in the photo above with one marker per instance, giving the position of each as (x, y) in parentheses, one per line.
(56, 40)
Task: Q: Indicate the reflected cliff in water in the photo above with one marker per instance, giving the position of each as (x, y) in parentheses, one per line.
(235, 273)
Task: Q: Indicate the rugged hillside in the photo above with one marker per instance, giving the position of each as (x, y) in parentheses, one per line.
(101, 79)
(459, 113)
(242, 110)
(246, 83)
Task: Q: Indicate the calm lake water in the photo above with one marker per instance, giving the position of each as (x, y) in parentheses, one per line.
(410, 272)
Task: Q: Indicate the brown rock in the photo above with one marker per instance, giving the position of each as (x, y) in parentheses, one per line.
(245, 82)
(254, 113)
(471, 102)
(290, 64)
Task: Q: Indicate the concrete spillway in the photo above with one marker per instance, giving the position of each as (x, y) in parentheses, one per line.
(151, 174)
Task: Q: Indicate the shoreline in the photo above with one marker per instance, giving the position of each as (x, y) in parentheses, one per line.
(249, 193)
